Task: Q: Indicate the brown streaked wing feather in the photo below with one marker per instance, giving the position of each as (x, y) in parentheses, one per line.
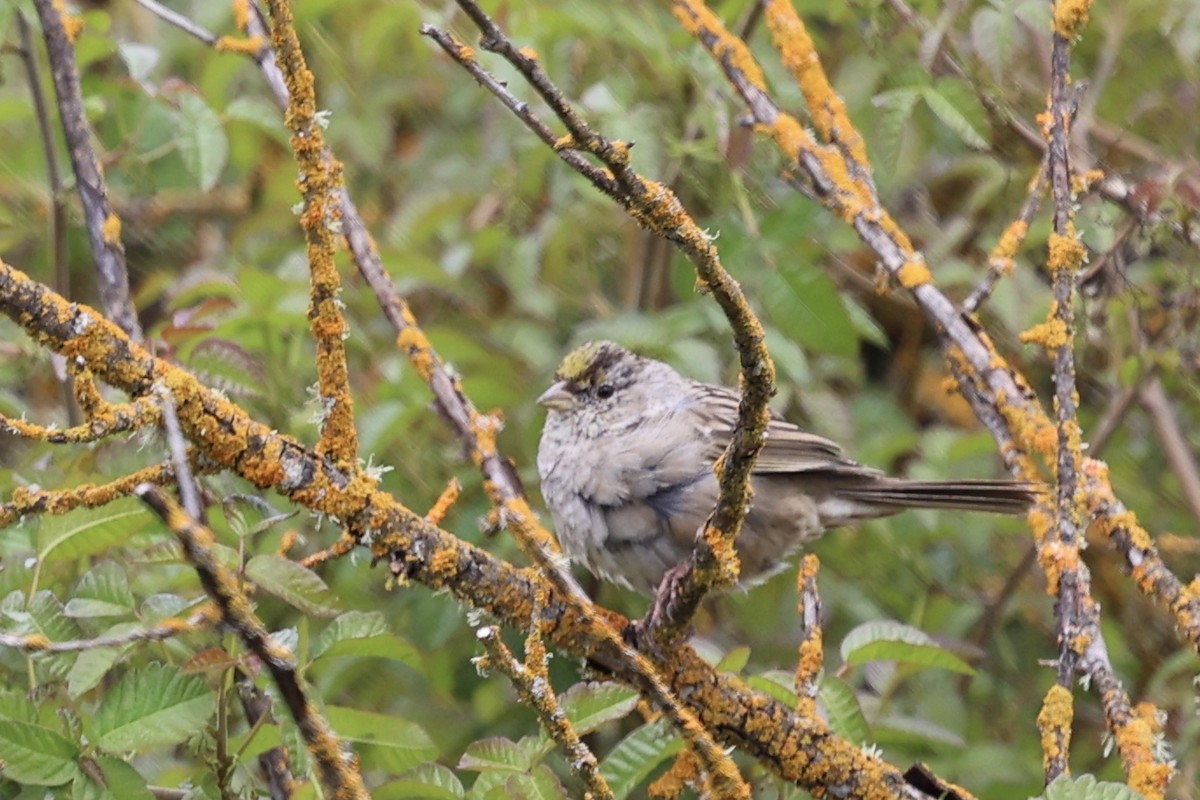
(788, 447)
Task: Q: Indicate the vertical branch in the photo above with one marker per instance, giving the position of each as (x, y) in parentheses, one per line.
(811, 656)
(1065, 257)
(320, 180)
(103, 226)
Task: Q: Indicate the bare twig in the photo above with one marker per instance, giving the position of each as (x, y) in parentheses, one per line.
(1174, 442)
(103, 226)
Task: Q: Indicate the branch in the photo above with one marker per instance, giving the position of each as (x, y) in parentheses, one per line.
(340, 777)
(799, 749)
(103, 226)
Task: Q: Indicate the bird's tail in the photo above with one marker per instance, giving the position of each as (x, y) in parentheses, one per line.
(890, 495)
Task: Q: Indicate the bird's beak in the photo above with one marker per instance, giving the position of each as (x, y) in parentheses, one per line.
(557, 398)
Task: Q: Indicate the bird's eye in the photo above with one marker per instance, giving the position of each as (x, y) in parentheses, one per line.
(605, 391)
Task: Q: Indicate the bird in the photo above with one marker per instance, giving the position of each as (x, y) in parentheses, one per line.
(626, 460)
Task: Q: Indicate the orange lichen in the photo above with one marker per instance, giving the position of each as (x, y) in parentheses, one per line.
(72, 23)
(800, 57)
(1054, 723)
(242, 14)
(111, 230)
(1050, 334)
(446, 499)
(413, 342)
(1003, 256)
(914, 274)
(1066, 253)
(728, 49)
(1070, 16)
(35, 643)
(1083, 182)
(684, 772)
(529, 53)
(244, 45)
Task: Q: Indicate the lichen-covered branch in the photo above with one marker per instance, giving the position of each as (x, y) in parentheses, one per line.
(655, 207)
(799, 749)
(103, 226)
(319, 181)
(339, 774)
(532, 681)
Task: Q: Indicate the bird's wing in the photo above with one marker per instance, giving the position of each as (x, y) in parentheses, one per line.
(788, 447)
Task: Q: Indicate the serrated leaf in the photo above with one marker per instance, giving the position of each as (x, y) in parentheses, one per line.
(102, 592)
(1086, 787)
(804, 303)
(157, 705)
(201, 139)
(843, 711)
(992, 38)
(427, 782)
(590, 705)
(637, 755)
(895, 111)
(36, 755)
(296, 585)
(496, 753)
(407, 742)
(110, 778)
(92, 665)
(952, 117)
(894, 641)
(363, 634)
(89, 531)
(541, 784)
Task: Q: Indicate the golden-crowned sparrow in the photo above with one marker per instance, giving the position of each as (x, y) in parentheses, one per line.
(626, 459)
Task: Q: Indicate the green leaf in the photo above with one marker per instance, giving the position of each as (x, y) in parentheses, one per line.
(201, 139)
(776, 683)
(894, 641)
(843, 711)
(591, 705)
(496, 753)
(117, 781)
(407, 742)
(952, 117)
(36, 755)
(260, 113)
(1086, 787)
(363, 634)
(735, 660)
(803, 302)
(992, 38)
(89, 531)
(637, 755)
(428, 782)
(896, 109)
(16, 705)
(102, 592)
(541, 784)
(157, 705)
(296, 585)
(92, 665)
